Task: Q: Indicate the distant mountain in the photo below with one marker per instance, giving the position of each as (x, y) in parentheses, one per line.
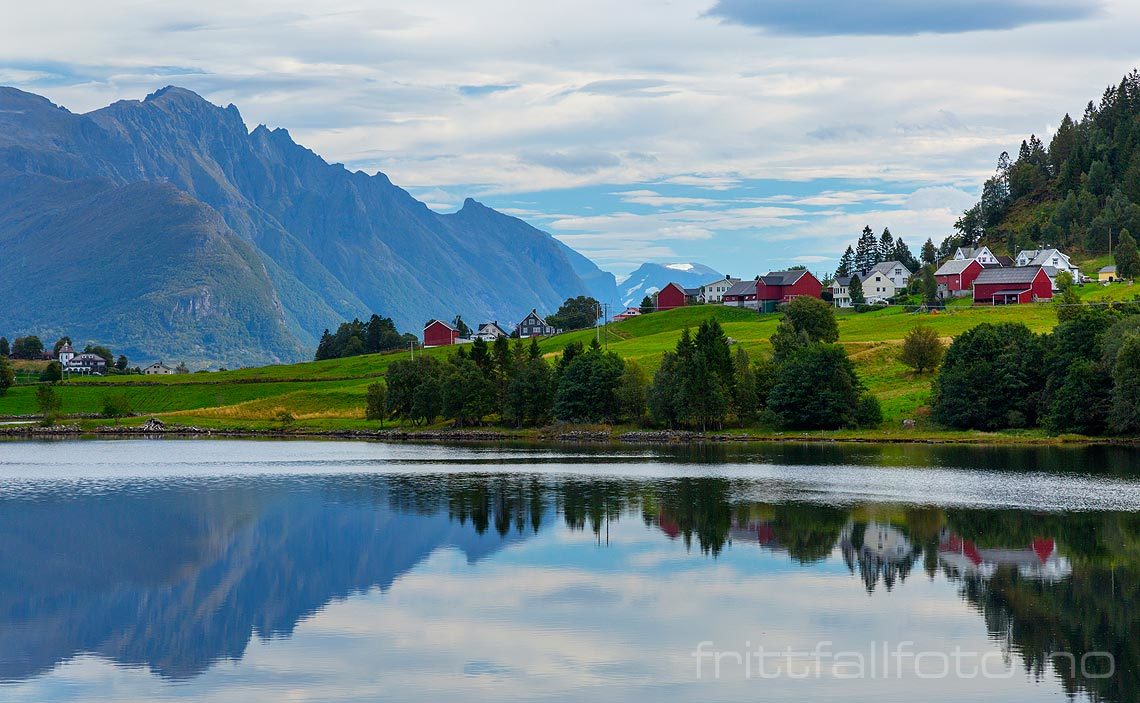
(650, 278)
(165, 229)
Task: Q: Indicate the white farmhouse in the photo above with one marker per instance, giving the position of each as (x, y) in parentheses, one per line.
(1049, 259)
(714, 292)
(982, 255)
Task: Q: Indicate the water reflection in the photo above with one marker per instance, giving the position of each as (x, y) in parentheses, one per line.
(179, 576)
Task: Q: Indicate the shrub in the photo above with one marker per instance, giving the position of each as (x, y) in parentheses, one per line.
(868, 412)
(815, 388)
(922, 349)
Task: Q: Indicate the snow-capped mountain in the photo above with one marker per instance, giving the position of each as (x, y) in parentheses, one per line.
(650, 278)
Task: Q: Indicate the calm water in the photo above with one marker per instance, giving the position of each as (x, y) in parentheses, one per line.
(270, 571)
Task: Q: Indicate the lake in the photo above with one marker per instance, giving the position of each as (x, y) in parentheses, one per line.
(141, 570)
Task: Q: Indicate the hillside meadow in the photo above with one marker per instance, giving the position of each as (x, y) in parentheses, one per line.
(330, 394)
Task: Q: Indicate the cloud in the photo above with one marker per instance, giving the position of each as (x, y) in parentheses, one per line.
(577, 160)
(897, 17)
(627, 87)
(480, 90)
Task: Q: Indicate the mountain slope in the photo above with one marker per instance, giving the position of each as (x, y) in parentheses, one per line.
(332, 244)
(1079, 192)
(650, 278)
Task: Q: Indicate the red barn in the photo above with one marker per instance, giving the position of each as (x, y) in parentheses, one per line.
(1011, 286)
(741, 295)
(782, 286)
(671, 296)
(439, 334)
(957, 275)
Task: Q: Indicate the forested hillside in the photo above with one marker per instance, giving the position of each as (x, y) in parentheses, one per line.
(1075, 193)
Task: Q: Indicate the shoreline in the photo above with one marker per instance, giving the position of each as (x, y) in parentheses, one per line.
(555, 436)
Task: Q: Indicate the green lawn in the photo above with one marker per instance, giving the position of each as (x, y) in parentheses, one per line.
(325, 393)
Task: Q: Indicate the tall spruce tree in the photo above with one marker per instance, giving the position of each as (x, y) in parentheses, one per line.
(929, 252)
(866, 250)
(886, 246)
(846, 263)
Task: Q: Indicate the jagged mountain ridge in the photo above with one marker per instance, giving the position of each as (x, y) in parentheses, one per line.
(329, 244)
(651, 277)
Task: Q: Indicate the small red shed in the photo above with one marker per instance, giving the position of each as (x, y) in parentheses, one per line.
(671, 296)
(1012, 286)
(438, 333)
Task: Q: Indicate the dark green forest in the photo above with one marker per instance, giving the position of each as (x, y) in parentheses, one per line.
(1074, 193)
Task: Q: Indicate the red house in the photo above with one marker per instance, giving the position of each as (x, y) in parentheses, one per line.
(1011, 286)
(671, 296)
(782, 286)
(741, 295)
(957, 276)
(438, 333)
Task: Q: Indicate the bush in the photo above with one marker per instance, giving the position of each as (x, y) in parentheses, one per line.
(49, 404)
(922, 349)
(868, 412)
(992, 378)
(53, 373)
(377, 403)
(815, 388)
(7, 375)
(116, 405)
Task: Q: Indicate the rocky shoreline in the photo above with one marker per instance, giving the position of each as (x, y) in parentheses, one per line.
(155, 428)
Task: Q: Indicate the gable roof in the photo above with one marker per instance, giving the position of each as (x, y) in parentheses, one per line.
(1016, 274)
(783, 278)
(842, 281)
(534, 313)
(722, 279)
(692, 291)
(491, 327)
(953, 267)
(441, 322)
(1039, 257)
(1109, 269)
(885, 267)
(742, 288)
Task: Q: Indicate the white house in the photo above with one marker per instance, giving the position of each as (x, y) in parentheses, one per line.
(1050, 259)
(896, 271)
(877, 286)
(714, 292)
(489, 332)
(982, 255)
(158, 369)
(841, 292)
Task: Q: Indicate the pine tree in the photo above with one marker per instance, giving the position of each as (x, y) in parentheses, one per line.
(846, 263)
(647, 305)
(856, 290)
(5, 349)
(929, 252)
(903, 254)
(867, 250)
(886, 246)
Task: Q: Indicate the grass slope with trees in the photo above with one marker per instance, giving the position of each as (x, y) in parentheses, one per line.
(333, 394)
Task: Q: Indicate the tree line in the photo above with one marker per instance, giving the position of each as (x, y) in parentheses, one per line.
(354, 338)
(1081, 191)
(1083, 377)
(808, 382)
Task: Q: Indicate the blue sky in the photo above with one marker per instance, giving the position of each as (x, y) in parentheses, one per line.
(743, 134)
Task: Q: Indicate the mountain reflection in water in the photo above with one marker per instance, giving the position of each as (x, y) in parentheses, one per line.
(177, 575)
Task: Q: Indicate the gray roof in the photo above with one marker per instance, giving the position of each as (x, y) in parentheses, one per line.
(692, 291)
(842, 281)
(1017, 274)
(1109, 269)
(886, 267)
(783, 278)
(953, 267)
(1038, 257)
(969, 252)
(742, 288)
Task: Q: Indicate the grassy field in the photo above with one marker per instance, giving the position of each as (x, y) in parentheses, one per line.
(330, 394)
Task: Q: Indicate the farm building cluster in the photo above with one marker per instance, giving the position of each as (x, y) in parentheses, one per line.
(1031, 276)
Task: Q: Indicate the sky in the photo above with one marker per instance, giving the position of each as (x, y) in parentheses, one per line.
(747, 135)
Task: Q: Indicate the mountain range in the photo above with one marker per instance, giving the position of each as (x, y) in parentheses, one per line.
(649, 278)
(167, 230)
